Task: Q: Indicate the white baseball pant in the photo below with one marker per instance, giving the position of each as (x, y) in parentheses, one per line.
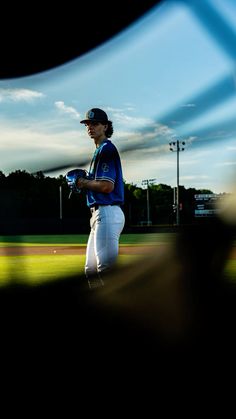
(107, 223)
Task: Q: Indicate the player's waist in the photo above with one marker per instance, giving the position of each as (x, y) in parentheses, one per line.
(95, 207)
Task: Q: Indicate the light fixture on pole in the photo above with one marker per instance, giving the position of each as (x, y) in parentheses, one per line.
(177, 146)
(148, 182)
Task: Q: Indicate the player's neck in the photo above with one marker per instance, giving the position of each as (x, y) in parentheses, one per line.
(98, 141)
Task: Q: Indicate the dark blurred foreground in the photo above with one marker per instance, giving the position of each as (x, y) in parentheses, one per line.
(154, 319)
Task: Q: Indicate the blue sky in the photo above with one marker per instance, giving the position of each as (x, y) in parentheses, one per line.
(170, 75)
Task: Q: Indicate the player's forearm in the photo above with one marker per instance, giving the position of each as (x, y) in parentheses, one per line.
(102, 186)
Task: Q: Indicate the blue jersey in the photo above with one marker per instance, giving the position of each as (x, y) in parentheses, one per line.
(106, 165)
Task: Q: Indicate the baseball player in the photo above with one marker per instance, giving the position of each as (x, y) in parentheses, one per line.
(105, 195)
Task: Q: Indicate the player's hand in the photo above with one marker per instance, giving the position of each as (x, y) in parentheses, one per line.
(81, 182)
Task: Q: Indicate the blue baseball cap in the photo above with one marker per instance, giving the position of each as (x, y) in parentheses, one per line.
(95, 115)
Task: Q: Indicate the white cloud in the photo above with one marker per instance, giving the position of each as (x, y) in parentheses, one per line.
(67, 110)
(34, 150)
(227, 163)
(19, 95)
(120, 117)
(189, 105)
(231, 148)
(194, 177)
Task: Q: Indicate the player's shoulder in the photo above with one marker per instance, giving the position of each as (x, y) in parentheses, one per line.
(108, 146)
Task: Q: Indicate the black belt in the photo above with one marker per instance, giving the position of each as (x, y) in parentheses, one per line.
(96, 206)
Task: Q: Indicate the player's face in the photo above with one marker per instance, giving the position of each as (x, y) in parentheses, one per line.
(96, 130)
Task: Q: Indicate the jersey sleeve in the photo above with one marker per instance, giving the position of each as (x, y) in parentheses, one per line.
(106, 166)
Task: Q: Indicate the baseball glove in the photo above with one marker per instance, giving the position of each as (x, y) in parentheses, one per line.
(71, 178)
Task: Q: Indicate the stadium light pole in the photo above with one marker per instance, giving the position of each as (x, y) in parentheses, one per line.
(148, 182)
(177, 146)
(60, 200)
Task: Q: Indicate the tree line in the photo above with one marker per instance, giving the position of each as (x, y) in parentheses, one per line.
(37, 198)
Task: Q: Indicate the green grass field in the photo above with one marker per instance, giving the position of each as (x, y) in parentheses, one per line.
(39, 269)
(81, 239)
